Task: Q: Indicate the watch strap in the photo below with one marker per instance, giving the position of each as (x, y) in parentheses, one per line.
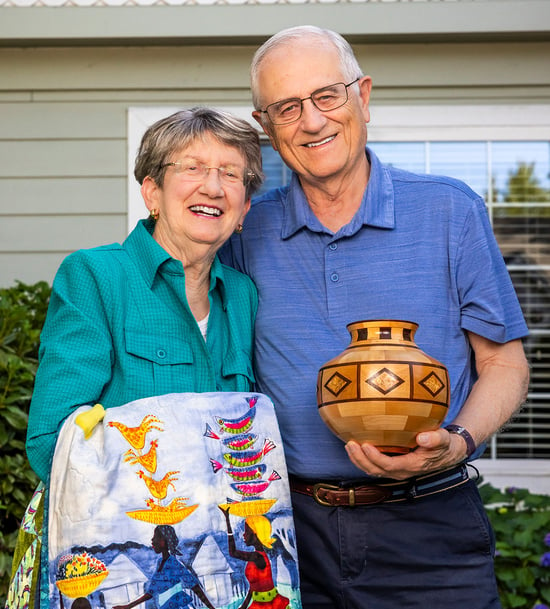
(464, 433)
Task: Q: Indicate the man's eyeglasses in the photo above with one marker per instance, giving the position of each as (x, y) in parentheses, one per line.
(195, 171)
(328, 98)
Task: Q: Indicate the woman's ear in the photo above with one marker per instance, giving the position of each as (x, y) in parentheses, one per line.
(246, 208)
(150, 191)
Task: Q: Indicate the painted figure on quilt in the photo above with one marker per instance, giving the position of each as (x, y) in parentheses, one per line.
(262, 593)
(167, 586)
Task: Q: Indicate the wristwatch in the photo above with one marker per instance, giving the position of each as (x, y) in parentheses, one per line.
(464, 433)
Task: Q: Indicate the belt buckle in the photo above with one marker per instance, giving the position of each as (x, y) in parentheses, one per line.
(328, 487)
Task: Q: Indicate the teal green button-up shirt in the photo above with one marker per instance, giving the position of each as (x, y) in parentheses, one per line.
(119, 329)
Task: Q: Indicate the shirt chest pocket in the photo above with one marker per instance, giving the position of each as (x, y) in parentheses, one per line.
(161, 350)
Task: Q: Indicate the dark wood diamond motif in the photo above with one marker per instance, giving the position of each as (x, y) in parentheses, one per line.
(432, 383)
(384, 381)
(337, 383)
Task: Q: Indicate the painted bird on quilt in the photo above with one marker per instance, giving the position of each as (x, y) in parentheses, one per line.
(148, 459)
(241, 424)
(255, 487)
(159, 488)
(135, 436)
(178, 503)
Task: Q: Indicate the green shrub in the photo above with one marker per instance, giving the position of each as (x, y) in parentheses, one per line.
(22, 312)
(521, 521)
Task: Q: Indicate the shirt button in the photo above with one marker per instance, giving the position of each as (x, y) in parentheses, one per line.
(333, 246)
(334, 277)
(161, 353)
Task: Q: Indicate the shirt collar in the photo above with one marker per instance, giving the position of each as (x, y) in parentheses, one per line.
(150, 256)
(377, 206)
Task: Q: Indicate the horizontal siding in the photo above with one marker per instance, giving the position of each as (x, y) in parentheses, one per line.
(29, 267)
(54, 158)
(47, 196)
(134, 69)
(63, 122)
(21, 234)
(66, 120)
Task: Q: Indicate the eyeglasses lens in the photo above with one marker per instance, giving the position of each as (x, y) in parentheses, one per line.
(290, 110)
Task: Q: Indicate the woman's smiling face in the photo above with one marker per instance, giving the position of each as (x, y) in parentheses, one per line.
(201, 210)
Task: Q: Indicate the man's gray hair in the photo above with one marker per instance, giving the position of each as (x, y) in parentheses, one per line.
(348, 61)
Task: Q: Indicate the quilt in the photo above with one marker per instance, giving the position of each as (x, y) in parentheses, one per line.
(169, 502)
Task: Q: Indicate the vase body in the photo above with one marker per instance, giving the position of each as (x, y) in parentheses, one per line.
(382, 388)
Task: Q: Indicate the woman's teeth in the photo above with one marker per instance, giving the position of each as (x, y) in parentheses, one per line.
(203, 209)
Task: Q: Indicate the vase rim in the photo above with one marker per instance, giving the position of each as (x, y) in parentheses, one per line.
(381, 321)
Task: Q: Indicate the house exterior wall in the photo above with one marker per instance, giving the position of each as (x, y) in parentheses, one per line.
(63, 121)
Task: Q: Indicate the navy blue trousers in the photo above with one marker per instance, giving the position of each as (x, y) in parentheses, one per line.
(435, 552)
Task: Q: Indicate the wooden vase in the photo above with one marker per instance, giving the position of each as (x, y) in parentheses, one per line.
(382, 388)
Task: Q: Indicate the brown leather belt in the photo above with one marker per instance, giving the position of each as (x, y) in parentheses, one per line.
(337, 494)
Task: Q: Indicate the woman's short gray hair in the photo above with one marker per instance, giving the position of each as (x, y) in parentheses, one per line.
(179, 130)
(349, 64)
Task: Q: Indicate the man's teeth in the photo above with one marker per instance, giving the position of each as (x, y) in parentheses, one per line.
(203, 209)
(314, 144)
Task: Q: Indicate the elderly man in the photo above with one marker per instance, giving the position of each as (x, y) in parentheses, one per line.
(351, 239)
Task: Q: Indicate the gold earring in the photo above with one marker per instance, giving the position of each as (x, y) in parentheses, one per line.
(239, 229)
(154, 214)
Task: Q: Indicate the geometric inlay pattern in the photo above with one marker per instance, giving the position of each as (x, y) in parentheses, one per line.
(432, 383)
(337, 383)
(384, 381)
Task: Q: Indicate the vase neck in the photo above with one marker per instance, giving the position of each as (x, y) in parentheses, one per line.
(386, 331)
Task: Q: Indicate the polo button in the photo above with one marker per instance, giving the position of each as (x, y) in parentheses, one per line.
(161, 353)
(334, 277)
(333, 246)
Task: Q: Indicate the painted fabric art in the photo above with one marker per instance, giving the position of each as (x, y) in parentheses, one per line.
(179, 500)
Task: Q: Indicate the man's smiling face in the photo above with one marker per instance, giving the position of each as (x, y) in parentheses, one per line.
(319, 146)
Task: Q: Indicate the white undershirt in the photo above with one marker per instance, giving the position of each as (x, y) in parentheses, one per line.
(203, 324)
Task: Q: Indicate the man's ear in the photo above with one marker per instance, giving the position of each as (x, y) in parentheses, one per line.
(365, 86)
(149, 192)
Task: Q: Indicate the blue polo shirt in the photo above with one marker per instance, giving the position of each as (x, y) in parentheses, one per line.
(119, 329)
(420, 248)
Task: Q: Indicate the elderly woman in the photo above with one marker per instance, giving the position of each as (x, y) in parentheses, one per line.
(159, 313)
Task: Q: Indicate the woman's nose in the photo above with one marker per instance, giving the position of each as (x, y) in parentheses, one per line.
(212, 183)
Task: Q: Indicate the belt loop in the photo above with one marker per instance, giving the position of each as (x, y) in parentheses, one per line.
(351, 497)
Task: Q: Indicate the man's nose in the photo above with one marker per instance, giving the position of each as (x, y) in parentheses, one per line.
(311, 117)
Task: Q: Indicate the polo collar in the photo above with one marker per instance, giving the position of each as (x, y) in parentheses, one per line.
(376, 210)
